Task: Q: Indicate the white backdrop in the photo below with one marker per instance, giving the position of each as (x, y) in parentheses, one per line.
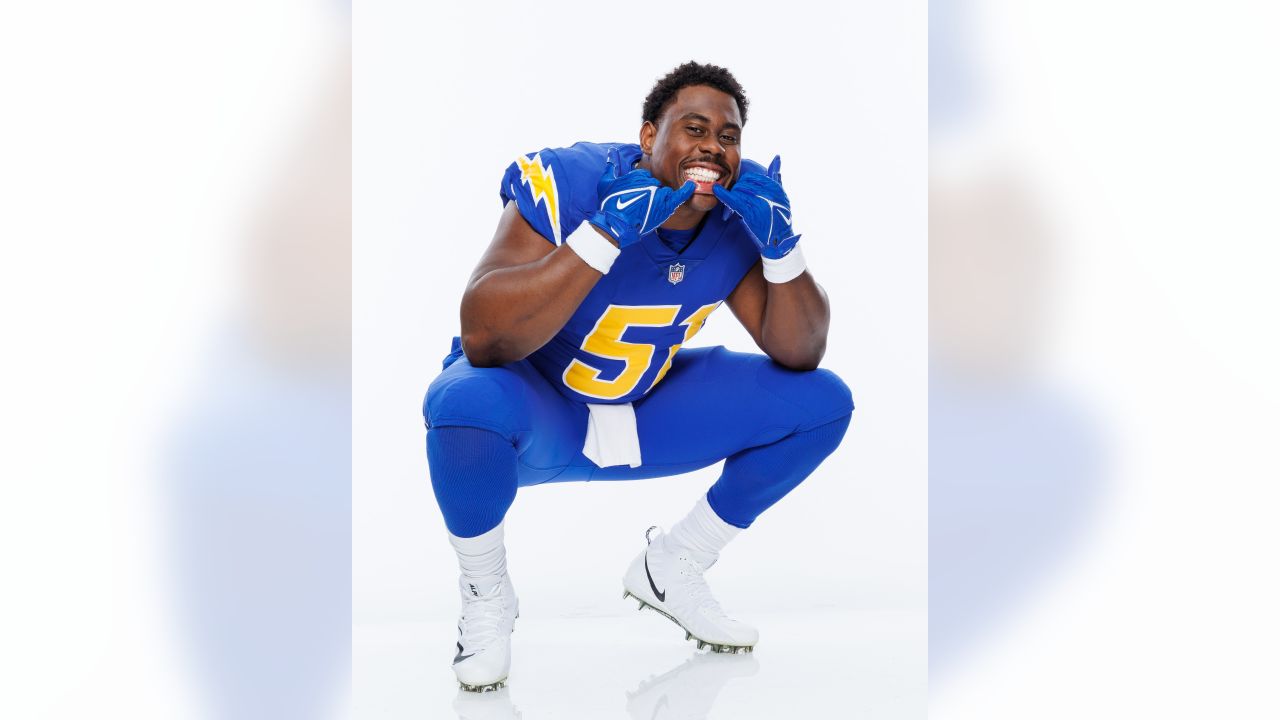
(445, 99)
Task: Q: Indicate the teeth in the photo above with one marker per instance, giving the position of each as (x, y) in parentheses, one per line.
(699, 174)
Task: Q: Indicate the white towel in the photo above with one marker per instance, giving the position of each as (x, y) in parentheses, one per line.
(611, 436)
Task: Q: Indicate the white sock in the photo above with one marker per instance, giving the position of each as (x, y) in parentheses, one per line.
(481, 555)
(703, 532)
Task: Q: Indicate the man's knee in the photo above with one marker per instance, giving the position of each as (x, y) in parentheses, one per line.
(838, 396)
(821, 396)
(485, 398)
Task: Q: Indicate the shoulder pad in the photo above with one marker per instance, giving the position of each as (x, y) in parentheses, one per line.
(555, 188)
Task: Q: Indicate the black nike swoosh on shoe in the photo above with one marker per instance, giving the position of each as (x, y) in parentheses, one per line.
(662, 596)
(460, 657)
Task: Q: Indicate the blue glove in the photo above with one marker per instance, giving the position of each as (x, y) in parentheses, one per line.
(633, 203)
(764, 208)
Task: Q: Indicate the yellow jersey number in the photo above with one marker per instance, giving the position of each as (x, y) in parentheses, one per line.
(605, 340)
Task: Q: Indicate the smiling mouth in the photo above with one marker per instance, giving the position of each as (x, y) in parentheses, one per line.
(703, 177)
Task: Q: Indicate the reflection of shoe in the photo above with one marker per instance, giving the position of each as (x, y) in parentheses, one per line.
(494, 705)
(690, 689)
(489, 612)
(666, 578)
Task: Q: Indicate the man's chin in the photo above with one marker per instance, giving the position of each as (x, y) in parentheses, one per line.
(703, 203)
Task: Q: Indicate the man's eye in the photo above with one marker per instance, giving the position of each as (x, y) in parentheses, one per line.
(729, 139)
(694, 129)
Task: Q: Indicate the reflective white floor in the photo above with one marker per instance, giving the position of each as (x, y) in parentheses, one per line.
(827, 664)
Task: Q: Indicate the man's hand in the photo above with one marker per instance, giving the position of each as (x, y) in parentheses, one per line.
(633, 203)
(764, 208)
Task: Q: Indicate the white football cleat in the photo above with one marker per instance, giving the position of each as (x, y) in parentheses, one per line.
(489, 612)
(666, 578)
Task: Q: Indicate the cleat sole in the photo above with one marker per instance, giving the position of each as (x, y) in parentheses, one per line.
(726, 649)
(490, 687)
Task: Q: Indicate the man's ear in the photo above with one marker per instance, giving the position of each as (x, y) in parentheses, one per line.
(648, 133)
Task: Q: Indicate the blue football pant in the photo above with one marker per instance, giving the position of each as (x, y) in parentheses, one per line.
(491, 430)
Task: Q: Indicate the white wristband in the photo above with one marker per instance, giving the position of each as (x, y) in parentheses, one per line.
(786, 268)
(593, 248)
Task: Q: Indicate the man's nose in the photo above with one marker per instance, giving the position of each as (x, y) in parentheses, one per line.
(711, 146)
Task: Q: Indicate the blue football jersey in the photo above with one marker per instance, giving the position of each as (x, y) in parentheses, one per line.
(621, 340)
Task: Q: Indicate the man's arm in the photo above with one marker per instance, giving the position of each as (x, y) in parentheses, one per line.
(789, 320)
(521, 294)
(525, 290)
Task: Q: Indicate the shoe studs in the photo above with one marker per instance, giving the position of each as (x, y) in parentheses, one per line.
(491, 687)
(726, 649)
(627, 594)
(723, 649)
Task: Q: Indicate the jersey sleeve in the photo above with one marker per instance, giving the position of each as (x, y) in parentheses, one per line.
(542, 186)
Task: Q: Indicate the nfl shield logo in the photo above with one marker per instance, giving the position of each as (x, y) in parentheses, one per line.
(675, 273)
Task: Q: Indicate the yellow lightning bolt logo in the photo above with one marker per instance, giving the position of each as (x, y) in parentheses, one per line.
(542, 183)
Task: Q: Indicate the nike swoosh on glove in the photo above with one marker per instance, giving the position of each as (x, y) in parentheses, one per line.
(634, 203)
(764, 208)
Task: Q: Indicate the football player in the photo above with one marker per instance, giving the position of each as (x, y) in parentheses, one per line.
(607, 260)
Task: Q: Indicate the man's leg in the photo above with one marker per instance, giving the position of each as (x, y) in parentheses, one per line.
(482, 444)
(772, 425)
(756, 478)
(473, 476)
(480, 424)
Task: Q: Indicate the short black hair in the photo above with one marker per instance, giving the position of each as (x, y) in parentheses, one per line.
(692, 73)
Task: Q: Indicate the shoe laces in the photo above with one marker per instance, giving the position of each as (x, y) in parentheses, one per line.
(696, 585)
(482, 617)
(697, 588)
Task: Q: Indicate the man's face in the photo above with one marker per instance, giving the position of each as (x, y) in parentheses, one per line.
(697, 138)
